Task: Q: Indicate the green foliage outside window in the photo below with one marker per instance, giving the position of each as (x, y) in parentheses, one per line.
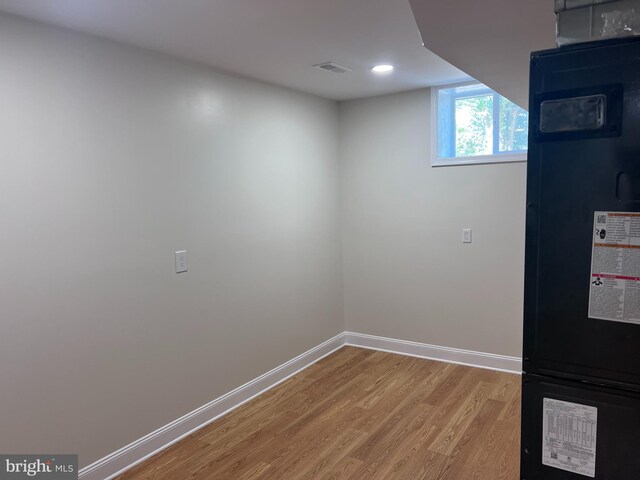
(474, 120)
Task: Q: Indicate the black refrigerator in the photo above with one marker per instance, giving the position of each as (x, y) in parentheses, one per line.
(581, 361)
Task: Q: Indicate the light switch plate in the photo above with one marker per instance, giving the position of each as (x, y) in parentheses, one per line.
(466, 235)
(182, 265)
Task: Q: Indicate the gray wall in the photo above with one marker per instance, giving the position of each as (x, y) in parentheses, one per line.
(111, 159)
(114, 157)
(407, 274)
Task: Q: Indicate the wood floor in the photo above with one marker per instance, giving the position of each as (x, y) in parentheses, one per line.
(360, 415)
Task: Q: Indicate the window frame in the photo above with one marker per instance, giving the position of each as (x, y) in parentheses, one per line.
(436, 161)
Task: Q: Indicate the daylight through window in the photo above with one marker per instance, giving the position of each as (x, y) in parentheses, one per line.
(476, 125)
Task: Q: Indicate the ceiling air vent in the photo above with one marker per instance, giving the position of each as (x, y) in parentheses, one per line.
(332, 67)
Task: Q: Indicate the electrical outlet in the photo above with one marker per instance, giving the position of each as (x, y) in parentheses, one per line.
(466, 235)
(181, 261)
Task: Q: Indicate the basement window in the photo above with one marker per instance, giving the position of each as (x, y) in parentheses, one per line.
(473, 124)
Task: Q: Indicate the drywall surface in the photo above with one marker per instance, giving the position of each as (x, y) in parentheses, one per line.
(407, 274)
(490, 40)
(113, 158)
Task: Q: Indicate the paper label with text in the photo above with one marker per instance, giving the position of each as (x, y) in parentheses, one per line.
(569, 434)
(614, 290)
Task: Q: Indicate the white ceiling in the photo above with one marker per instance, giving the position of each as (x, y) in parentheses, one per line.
(491, 40)
(273, 40)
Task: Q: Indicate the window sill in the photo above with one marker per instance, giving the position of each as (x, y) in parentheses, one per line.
(479, 160)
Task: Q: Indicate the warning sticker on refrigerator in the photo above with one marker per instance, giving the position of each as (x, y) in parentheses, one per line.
(615, 267)
(569, 437)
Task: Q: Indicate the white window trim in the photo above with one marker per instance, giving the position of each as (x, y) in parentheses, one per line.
(456, 161)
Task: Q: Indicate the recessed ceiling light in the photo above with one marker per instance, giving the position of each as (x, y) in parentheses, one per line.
(382, 69)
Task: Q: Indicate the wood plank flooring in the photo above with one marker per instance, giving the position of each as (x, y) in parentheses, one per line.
(360, 415)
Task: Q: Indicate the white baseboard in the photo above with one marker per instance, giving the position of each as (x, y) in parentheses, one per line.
(127, 457)
(433, 352)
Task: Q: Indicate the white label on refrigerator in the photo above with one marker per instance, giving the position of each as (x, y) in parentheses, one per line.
(614, 290)
(569, 437)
